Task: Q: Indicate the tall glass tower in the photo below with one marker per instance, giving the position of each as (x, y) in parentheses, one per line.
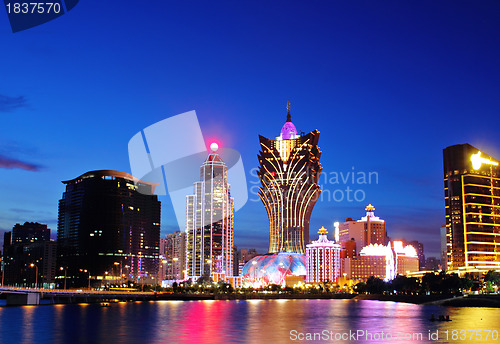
(472, 203)
(209, 222)
(289, 171)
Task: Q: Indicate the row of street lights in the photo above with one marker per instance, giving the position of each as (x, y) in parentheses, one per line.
(65, 273)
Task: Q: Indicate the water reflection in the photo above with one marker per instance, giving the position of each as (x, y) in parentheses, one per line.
(252, 321)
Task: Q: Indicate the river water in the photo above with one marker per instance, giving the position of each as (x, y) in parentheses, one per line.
(251, 321)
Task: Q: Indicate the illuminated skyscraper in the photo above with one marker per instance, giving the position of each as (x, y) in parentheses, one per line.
(209, 223)
(289, 171)
(472, 203)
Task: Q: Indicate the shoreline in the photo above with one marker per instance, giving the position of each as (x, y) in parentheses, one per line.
(449, 300)
(485, 300)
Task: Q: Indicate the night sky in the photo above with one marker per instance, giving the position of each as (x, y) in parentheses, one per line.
(389, 84)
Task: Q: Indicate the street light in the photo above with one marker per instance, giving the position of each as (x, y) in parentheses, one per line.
(121, 272)
(89, 277)
(127, 267)
(36, 271)
(61, 268)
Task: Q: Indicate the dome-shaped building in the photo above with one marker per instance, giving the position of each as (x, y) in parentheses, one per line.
(273, 268)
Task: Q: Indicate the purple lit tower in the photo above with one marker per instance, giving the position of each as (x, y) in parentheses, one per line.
(289, 171)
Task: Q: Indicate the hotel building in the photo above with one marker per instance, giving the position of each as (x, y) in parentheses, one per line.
(373, 260)
(472, 203)
(370, 229)
(289, 171)
(407, 258)
(384, 262)
(108, 224)
(322, 259)
(209, 222)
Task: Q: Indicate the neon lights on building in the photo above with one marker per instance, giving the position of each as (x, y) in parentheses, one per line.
(289, 172)
(477, 161)
(337, 231)
(398, 260)
(377, 250)
(472, 206)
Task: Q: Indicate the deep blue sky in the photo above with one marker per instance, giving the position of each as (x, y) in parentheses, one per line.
(389, 84)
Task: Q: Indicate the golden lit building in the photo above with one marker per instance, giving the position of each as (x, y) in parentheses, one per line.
(289, 171)
(472, 203)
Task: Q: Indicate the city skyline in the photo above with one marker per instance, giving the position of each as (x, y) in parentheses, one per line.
(388, 87)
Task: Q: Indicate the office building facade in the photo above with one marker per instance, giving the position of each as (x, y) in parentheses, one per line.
(29, 256)
(108, 226)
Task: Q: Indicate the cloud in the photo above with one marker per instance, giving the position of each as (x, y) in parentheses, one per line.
(8, 104)
(6, 162)
(22, 211)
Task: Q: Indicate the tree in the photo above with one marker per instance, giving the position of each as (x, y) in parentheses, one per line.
(274, 287)
(360, 288)
(431, 283)
(493, 277)
(451, 283)
(405, 285)
(467, 283)
(375, 285)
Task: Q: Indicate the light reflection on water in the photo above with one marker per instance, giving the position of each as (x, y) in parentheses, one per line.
(252, 321)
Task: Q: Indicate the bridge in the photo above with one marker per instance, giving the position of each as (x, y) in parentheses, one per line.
(31, 296)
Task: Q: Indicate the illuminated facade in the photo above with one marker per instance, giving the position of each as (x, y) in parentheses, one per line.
(407, 258)
(382, 261)
(289, 171)
(362, 267)
(472, 203)
(108, 219)
(322, 259)
(370, 229)
(209, 223)
(273, 268)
